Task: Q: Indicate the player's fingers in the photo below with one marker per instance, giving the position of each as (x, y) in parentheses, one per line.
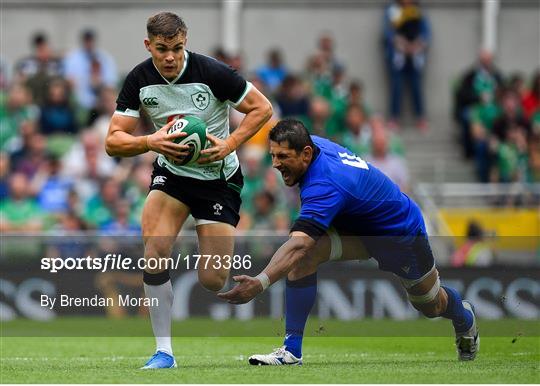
(240, 278)
(177, 147)
(212, 138)
(174, 157)
(176, 134)
(229, 295)
(210, 150)
(205, 159)
(171, 151)
(224, 295)
(168, 125)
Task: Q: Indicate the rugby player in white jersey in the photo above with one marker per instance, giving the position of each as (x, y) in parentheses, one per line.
(173, 83)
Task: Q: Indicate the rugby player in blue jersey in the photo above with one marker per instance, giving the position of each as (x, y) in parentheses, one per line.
(347, 206)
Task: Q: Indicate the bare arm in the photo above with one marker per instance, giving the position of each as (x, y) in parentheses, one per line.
(258, 111)
(283, 261)
(288, 255)
(121, 142)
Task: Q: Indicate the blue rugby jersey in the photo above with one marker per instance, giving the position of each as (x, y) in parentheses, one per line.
(342, 190)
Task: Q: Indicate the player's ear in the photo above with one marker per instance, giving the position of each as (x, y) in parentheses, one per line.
(147, 44)
(307, 153)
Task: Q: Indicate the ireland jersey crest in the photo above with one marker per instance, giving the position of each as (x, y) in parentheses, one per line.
(201, 100)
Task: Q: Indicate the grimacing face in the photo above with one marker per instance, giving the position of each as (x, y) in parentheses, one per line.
(167, 54)
(291, 164)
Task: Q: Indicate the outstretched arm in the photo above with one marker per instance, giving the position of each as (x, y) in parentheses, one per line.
(284, 260)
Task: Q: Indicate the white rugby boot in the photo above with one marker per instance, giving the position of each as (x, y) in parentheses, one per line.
(277, 358)
(468, 343)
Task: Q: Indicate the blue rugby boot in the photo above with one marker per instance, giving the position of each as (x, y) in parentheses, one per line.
(160, 360)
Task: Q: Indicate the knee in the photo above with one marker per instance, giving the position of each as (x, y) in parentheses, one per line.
(298, 273)
(156, 259)
(155, 250)
(431, 310)
(213, 283)
(294, 274)
(431, 313)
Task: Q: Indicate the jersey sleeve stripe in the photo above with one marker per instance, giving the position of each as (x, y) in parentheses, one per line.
(246, 91)
(128, 113)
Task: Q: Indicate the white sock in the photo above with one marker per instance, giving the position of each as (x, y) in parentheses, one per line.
(161, 314)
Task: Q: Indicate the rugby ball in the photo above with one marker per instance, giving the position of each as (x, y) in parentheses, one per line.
(196, 137)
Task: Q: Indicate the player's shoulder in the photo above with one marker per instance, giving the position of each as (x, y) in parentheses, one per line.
(206, 69)
(205, 61)
(144, 74)
(323, 143)
(330, 166)
(143, 67)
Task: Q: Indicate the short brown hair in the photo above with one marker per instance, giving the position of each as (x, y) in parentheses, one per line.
(166, 24)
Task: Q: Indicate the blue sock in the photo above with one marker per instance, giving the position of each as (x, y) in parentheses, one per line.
(299, 299)
(462, 319)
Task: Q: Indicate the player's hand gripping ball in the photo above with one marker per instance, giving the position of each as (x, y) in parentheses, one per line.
(196, 137)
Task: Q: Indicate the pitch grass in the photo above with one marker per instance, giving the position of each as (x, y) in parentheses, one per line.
(358, 359)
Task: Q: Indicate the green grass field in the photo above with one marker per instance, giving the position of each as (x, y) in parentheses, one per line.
(365, 352)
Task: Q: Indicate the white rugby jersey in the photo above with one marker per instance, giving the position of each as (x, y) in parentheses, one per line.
(205, 88)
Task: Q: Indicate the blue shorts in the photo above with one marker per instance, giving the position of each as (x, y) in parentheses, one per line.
(409, 257)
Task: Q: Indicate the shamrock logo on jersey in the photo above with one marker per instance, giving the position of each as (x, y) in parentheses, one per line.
(201, 100)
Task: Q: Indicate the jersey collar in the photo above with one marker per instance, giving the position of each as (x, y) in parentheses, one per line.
(186, 58)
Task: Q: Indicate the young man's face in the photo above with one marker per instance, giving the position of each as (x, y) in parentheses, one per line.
(167, 54)
(291, 164)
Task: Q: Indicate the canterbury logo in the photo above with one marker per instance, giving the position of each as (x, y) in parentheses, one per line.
(159, 180)
(150, 101)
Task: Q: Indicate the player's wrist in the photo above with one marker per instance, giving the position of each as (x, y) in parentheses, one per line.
(264, 280)
(145, 143)
(232, 143)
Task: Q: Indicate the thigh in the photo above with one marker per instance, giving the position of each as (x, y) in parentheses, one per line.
(408, 257)
(216, 245)
(162, 219)
(335, 245)
(338, 244)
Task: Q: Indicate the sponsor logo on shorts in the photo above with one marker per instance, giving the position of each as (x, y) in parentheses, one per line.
(159, 180)
(217, 209)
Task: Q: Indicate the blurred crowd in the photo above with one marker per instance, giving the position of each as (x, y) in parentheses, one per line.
(499, 118)
(55, 112)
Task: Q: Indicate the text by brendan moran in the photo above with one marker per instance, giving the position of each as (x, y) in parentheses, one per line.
(97, 301)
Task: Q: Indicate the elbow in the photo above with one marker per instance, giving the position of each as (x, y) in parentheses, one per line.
(268, 111)
(109, 147)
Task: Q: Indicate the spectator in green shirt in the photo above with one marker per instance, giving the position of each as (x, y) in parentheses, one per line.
(17, 109)
(512, 158)
(483, 115)
(358, 135)
(100, 208)
(20, 212)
